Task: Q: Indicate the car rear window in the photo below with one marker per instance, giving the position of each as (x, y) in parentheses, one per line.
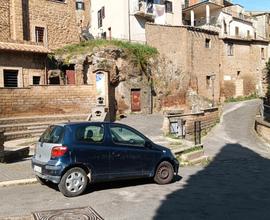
(53, 134)
(90, 133)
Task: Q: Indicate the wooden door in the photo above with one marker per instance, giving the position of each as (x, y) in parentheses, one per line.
(135, 100)
(70, 77)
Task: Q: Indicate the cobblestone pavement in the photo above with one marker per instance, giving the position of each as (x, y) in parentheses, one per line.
(234, 185)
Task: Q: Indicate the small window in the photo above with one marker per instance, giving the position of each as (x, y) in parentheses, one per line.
(39, 31)
(207, 43)
(168, 7)
(99, 19)
(238, 74)
(124, 136)
(248, 34)
(225, 27)
(208, 82)
(230, 51)
(11, 78)
(53, 135)
(36, 80)
(237, 31)
(262, 53)
(79, 5)
(103, 12)
(90, 133)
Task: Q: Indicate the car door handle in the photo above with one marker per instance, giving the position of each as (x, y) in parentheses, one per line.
(116, 154)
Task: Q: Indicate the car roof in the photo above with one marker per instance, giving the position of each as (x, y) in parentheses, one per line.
(87, 123)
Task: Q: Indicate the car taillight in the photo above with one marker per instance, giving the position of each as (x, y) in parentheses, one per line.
(58, 151)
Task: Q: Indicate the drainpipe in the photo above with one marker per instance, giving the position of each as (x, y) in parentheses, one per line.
(129, 31)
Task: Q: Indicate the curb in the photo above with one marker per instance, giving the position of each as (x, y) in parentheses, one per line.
(18, 182)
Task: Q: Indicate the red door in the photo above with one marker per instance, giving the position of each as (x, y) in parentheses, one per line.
(135, 100)
(70, 77)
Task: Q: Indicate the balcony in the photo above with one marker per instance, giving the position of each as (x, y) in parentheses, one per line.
(145, 10)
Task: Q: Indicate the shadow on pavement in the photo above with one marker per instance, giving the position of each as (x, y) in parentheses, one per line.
(113, 184)
(235, 185)
(122, 184)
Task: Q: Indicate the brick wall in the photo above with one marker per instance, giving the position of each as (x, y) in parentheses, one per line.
(42, 100)
(207, 117)
(4, 20)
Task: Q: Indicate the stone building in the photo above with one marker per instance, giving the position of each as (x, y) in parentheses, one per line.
(30, 29)
(194, 51)
(261, 22)
(242, 66)
(243, 43)
(219, 67)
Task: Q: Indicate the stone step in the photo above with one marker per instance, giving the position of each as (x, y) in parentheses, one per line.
(44, 118)
(23, 126)
(192, 155)
(198, 160)
(22, 134)
(44, 127)
(179, 150)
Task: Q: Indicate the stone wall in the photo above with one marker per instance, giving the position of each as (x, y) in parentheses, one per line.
(244, 68)
(4, 20)
(207, 117)
(42, 100)
(27, 64)
(62, 22)
(263, 129)
(59, 19)
(190, 61)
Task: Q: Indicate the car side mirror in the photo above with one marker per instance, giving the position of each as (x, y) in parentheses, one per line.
(148, 144)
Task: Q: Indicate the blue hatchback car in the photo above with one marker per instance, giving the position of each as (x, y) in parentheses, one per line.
(75, 154)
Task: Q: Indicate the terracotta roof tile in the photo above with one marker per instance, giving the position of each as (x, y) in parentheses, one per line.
(24, 47)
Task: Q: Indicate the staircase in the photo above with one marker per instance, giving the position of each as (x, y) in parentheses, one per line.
(29, 127)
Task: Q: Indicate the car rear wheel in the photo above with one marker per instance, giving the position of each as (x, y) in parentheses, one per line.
(164, 173)
(73, 182)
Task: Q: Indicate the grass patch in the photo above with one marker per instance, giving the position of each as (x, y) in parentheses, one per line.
(242, 98)
(139, 53)
(195, 148)
(172, 136)
(176, 143)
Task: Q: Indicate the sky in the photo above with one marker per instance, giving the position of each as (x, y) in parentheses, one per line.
(254, 5)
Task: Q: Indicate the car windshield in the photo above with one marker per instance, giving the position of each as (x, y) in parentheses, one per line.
(53, 134)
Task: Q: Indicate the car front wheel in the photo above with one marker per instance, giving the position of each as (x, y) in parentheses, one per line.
(164, 173)
(73, 182)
